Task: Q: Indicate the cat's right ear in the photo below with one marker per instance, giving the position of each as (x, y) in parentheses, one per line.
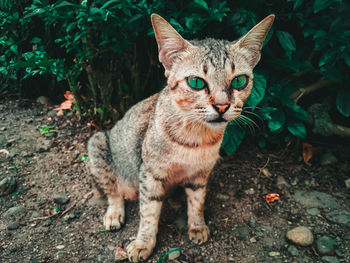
(171, 46)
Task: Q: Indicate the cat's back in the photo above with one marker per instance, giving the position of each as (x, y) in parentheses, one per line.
(127, 135)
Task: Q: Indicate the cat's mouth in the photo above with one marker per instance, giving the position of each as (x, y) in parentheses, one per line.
(218, 120)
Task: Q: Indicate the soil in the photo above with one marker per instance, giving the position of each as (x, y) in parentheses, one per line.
(244, 228)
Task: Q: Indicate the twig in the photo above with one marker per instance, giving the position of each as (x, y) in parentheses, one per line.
(68, 209)
(260, 169)
(322, 82)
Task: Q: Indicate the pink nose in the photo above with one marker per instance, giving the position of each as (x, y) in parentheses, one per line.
(221, 108)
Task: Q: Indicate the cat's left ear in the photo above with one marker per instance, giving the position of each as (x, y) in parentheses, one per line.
(171, 46)
(252, 42)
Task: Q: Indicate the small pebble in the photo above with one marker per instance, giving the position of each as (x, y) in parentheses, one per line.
(347, 183)
(173, 255)
(13, 226)
(274, 254)
(293, 250)
(325, 245)
(60, 247)
(301, 236)
(60, 199)
(313, 211)
(328, 259)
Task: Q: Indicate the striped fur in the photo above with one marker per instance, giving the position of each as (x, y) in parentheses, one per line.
(173, 137)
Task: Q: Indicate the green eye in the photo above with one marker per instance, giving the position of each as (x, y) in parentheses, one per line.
(195, 82)
(240, 82)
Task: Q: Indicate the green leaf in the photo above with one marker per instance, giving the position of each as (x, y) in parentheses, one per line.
(278, 119)
(258, 91)
(343, 102)
(319, 5)
(298, 112)
(265, 113)
(347, 58)
(234, 135)
(331, 73)
(35, 40)
(297, 129)
(287, 40)
(3, 70)
(202, 4)
(297, 4)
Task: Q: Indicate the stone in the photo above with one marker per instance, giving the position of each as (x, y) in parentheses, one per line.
(52, 113)
(47, 222)
(44, 101)
(61, 199)
(222, 197)
(328, 158)
(60, 254)
(16, 211)
(313, 211)
(316, 199)
(241, 233)
(60, 247)
(174, 254)
(341, 217)
(293, 250)
(340, 252)
(13, 226)
(325, 245)
(274, 254)
(347, 183)
(282, 183)
(70, 216)
(181, 222)
(35, 214)
(328, 259)
(43, 146)
(8, 185)
(301, 236)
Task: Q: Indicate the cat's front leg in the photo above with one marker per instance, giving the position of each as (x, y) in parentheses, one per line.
(151, 200)
(198, 231)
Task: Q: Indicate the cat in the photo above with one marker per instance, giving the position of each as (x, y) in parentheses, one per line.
(174, 137)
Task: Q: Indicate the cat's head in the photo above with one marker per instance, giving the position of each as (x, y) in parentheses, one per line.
(209, 79)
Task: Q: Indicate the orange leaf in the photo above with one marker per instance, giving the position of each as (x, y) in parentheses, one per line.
(66, 105)
(69, 96)
(4, 151)
(272, 197)
(307, 151)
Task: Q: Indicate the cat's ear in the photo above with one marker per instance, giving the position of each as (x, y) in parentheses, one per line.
(252, 42)
(171, 45)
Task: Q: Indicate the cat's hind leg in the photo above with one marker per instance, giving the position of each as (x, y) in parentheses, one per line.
(99, 162)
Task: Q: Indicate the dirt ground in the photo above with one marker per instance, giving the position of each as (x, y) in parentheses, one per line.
(243, 227)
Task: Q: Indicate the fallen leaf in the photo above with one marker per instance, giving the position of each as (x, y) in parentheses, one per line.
(266, 172)
(66, 105)
(4, 151)
(307, 151)
(69, 96)
(272, 197)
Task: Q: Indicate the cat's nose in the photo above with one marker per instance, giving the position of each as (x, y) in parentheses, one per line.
(221, 108)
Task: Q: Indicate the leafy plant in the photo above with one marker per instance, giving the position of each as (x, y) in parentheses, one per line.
(105, 54)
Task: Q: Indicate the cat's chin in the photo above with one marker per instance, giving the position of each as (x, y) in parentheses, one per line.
(217, 124)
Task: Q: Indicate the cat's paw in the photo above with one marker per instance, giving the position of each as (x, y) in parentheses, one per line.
(199, 234)
(114, 218)
(139, 250)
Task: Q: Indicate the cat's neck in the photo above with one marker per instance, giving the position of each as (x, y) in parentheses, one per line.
(187, 131)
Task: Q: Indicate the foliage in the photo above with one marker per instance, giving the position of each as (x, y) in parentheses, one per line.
(104, 52)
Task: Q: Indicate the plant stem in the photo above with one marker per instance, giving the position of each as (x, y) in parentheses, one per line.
(322, 82)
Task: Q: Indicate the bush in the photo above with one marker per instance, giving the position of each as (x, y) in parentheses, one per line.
(105, 53)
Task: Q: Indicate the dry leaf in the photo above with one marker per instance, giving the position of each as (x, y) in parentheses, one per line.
(307, 151)
(4, 151)
(69, 96)
(266, 172)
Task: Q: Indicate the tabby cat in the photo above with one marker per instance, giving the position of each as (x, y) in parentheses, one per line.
(174, 137)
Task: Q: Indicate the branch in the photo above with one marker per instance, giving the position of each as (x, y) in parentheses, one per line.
(314, 86)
